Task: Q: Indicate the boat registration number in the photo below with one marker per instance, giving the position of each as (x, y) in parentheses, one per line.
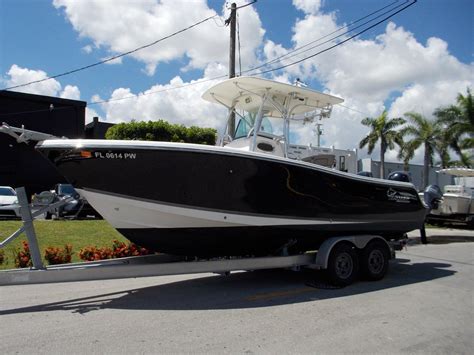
(114, 155)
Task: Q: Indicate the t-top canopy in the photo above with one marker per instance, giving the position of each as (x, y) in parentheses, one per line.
(247, 93)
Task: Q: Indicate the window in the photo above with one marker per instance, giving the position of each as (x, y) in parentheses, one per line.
(270, 125)
(6, 191)
(242, 129)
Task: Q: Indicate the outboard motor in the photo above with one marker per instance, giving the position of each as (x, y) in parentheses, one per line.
(432, 196)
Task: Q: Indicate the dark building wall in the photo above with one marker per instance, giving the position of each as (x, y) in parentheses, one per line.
(97, 129)
(20, 164)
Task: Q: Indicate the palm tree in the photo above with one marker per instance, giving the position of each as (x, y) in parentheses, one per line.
(459, 122)
(423, 132)
(382, 128)
(445, 141)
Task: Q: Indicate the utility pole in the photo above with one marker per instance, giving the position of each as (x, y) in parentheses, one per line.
(232, 21)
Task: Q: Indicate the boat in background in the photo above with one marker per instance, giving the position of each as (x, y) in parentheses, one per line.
(455, 203)
(248, 197)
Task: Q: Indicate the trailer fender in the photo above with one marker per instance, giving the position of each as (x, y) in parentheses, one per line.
(359, 242)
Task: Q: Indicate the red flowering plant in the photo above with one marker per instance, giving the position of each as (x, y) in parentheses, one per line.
(93, 253)
(121, 250)
(22, 256)
(56, 256)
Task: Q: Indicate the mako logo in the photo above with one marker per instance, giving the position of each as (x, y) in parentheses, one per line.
(398, 196)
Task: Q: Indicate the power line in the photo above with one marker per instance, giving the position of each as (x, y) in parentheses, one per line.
(245, 5)
(184, 85)
(353, 109)
(292, 53)
(157, 91)
(114, 57)
(265, 64)
(275, 69)
(143, 94)
(241, 6)
(333, 46)
(51, 109)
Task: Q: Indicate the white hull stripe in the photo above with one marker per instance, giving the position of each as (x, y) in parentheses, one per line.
(123, 212)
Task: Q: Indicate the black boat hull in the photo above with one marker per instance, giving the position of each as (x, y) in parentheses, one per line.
(195, 200)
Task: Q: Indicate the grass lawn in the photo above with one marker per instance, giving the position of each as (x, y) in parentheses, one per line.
(57, 233)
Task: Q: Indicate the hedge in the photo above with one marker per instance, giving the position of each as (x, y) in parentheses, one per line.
(162, 131)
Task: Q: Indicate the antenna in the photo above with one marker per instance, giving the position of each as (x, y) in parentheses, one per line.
(319, 132)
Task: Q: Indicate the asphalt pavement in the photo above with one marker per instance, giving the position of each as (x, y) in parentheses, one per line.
(424, 305)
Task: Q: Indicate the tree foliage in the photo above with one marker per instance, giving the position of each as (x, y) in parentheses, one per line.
(458, 121)
(383, 130)
(423, 133)
(162, 131)
(452, 130)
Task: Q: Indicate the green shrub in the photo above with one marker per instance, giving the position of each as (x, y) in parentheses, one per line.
(162, 131)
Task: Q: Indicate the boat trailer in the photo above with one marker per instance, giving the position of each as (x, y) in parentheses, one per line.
(162, 264)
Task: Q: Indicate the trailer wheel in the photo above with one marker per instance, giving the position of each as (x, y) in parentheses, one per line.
(374, 260)
(343, 265)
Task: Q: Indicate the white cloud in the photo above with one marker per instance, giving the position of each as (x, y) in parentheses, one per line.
(18, 75)
(308, 6)
(168, 102)
(273, 51)
(120, 26)
(425, 98)
(90, 114)
(366, 73)
(214, 70)
(71, 92)
(87, 49)
(369, 73)
(373, 69)
(306, 34)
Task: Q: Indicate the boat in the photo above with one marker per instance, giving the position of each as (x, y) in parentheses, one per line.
(243, 197)
(455, 203)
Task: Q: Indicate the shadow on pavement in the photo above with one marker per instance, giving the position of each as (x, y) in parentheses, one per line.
(241, 290)
(443, 239)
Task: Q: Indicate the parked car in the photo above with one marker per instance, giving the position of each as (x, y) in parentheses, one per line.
(399, 176)
(77, 207)
(9, 207)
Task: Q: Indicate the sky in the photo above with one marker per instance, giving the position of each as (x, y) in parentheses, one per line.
(418, 60)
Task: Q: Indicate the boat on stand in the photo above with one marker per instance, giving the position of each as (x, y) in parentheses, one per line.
(247, 197)
(455, 203)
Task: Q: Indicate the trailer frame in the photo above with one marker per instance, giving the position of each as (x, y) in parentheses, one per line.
(163, 264)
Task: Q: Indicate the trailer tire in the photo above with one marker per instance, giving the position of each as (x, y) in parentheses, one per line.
(343, 265)
(374, 260)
